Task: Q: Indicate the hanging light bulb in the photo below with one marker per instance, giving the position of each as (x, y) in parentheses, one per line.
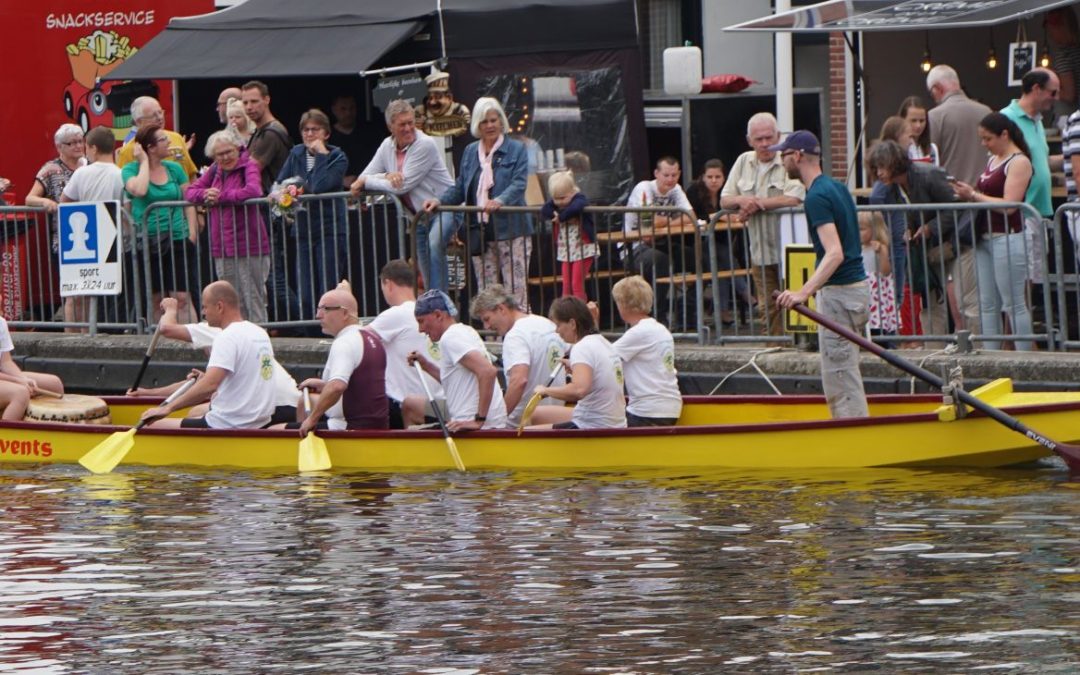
(991, 56)
(1044, 60)
(926, 64)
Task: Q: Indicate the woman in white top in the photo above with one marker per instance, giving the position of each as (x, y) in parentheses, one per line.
(595, 369)
(647, 351)
(913, 110)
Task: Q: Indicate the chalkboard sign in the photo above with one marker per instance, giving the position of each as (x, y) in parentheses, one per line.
(408, 86)
(1021, 60)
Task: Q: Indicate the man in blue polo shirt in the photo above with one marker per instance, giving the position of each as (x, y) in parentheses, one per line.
(1039, 91)
(839, 279)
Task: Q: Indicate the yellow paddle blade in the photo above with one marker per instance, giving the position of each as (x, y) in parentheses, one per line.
(454, 454)
(104, 456)
(526, 415)
(313, 454)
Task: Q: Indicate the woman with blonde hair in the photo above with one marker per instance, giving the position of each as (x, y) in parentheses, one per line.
(493, 172)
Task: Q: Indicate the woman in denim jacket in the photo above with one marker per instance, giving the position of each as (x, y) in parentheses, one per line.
(239, 243)
(321, 236)
(492, 174)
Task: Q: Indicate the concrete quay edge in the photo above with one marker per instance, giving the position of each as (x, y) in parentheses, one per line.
(107, 364)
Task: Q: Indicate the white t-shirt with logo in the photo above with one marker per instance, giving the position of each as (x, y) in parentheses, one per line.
(97, 182)
(346, 353)
(460, 384)
(604, 407)
(400, 334)
(245, 398)
(285, 390)
(647, 351)
(532, 341)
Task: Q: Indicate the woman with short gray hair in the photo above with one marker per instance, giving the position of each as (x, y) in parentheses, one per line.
(239, 243)
(54, 174)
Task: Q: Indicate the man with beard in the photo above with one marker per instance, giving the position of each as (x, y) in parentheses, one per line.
(839, 279)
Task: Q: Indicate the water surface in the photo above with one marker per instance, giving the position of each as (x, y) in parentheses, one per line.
(163, 570)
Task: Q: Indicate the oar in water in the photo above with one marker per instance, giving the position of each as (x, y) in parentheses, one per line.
(146, 359)
(438, 415)
(104, 456)
(313, 454)
(534, 400)
(1069, 453)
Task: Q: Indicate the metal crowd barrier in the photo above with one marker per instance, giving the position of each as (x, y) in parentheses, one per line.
(921, 259)
(301, 262)
(1065, 277)
(671, 260)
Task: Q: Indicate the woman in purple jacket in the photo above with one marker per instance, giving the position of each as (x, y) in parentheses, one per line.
(239, 242)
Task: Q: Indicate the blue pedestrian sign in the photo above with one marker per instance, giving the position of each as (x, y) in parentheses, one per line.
(90, 248)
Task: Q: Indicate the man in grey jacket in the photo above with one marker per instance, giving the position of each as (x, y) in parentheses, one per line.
(409, 164)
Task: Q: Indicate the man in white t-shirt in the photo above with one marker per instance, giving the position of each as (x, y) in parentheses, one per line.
(400, 335)
(647, 254)
(201, 336)
(98, 181)
(532, 350)
(352, 389)
(239, 375)
(464, 368)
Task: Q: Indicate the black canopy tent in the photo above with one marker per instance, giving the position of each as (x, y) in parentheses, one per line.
(273, 38)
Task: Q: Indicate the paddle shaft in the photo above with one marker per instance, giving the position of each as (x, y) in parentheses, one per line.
(438, 415)
(1070, 453)
(188, 384)
(146, 359)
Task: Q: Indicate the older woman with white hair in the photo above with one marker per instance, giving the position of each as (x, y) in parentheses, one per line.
(239, 243)
(492, 175)
(54, 174)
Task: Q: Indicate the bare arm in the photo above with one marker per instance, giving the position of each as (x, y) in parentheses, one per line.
(201, 391)
(575, 390)
(479, 365)
(834, 255)
(516, 380)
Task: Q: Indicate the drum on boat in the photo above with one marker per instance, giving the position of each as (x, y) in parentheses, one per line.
(72, 408)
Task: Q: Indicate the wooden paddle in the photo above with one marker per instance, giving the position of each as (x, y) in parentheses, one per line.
(313, 455)
(104, 456)
(534, 400)
(438, 415)
(146, 359)
(1069, 453)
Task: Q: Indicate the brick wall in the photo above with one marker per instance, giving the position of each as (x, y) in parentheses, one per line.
(836, 124)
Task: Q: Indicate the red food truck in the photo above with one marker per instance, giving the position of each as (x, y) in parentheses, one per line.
(57, 53)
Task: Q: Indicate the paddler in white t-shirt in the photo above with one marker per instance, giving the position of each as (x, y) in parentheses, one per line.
(531, 349)
(400, 335)
(201, 336)
(464, 368)
(240, 371)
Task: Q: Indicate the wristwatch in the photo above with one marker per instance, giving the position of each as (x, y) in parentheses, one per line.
(480, 418)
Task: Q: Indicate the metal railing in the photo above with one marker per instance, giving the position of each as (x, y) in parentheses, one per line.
(671, 260)
(1065, 276)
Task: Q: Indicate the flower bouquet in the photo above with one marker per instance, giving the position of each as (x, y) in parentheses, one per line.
(284, 201)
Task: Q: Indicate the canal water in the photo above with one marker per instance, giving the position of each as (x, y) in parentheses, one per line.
(167, 570)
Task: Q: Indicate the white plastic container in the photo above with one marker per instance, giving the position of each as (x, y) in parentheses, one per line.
(682, 71)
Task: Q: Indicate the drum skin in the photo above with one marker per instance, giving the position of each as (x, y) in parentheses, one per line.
(72, 408)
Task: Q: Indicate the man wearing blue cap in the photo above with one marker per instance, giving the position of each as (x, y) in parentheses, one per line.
(467, 374)
(839, 280)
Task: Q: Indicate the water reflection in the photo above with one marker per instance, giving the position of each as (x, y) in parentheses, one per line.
(162, 570)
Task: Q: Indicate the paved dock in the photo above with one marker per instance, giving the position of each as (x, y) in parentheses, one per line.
(107, 364)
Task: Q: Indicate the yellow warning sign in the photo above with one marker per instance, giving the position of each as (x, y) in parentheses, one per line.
(799, 263)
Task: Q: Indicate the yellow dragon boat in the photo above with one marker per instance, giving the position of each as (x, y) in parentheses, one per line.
(751, 432)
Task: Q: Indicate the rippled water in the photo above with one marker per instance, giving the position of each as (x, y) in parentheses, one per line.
(169, 570)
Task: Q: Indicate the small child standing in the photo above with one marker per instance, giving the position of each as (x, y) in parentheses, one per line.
(574, 233)
(874, 236)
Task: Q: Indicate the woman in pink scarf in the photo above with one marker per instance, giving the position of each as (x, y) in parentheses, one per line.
(492, 175)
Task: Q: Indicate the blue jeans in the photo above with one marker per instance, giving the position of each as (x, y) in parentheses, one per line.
(1001, 263)
(322, 260)
(432, 236)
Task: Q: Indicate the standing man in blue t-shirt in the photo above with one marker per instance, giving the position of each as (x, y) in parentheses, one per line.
(838, 279)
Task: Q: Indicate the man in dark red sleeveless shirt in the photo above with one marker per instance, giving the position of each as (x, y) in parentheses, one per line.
(352, 390)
